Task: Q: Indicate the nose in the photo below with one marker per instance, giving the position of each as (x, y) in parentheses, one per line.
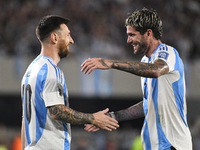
(71, 40)
(128, 39)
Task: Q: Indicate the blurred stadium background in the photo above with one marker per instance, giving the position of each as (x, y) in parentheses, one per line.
(97, 28)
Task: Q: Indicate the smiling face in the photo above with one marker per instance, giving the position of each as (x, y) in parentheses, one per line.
(137, 40)
(65, 40)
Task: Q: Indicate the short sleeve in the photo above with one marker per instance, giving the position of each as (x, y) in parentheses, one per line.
(166, 55)
(53, 90)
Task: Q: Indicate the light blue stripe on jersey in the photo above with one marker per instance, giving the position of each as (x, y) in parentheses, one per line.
(145, 103)
(26, 99)
(39, 102)
(178, 87)
(66, 142)
(54, 67)
(145, 96)
(58, 72)
(162, 140)
(146, 135)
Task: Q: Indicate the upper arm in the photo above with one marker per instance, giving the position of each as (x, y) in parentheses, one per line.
(161, 67)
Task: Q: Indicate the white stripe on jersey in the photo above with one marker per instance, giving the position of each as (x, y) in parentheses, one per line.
(44, 85)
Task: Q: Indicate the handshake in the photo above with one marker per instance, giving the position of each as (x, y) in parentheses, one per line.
(104, 120)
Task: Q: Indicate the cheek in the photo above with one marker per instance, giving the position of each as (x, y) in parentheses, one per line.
(66, 42)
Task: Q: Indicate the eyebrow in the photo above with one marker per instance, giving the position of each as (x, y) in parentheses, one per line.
(131, 33)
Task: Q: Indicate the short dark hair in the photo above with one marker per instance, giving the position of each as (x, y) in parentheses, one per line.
(145, 19)
(48, 24)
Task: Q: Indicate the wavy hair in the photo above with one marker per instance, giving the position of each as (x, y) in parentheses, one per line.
(145, 19)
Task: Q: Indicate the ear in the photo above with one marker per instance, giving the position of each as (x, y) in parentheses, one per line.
(149, 32)
(54, 37)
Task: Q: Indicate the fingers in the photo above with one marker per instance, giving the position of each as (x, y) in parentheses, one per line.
(105, 122)
(113, 124)
(91, 64)
(90, 128)
(105, 110)
(113, 121)
(87, 66)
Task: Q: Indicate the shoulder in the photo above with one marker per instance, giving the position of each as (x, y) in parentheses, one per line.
(165, 51)
(168, 54)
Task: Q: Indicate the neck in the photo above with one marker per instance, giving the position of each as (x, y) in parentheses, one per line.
(153, 45)
(50, 51)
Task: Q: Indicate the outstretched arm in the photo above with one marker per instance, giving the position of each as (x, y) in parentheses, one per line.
(99, 119)
(133, 112)
(154, 70)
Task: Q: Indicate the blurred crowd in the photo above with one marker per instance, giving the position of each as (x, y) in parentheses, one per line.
(97, 27)
(98, 30)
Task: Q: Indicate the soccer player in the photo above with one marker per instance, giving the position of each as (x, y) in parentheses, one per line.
(46, 111)
(163, 84)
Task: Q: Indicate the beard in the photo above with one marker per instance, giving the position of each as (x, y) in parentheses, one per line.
(142, 48)
(63, 54)
(63, 50)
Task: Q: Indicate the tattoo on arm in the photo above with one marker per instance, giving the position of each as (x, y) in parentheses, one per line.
(66, 114)
(142, 69)
(103, 63)
(133, 112)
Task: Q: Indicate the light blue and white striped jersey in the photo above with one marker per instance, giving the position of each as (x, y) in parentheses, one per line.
(164, 102)
(44, 85)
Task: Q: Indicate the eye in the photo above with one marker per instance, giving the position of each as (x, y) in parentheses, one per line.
(130, 34)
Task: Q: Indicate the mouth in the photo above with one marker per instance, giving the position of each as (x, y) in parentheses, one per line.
(135, 45)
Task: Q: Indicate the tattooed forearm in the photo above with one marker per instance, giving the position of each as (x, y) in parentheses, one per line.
(142, 69)
(66, 114)
(133, 112)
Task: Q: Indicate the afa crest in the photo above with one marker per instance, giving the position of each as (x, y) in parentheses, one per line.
(163, 55)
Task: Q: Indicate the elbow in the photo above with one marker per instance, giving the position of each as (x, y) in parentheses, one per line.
(54, 117)
(160, 72)
(156, 74)
(52, 113)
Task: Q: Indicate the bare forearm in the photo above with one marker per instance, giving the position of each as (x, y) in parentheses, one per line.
(133, 112)
(66, 114)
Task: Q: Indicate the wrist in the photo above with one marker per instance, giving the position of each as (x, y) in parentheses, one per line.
(112, 115)
(111, 64)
